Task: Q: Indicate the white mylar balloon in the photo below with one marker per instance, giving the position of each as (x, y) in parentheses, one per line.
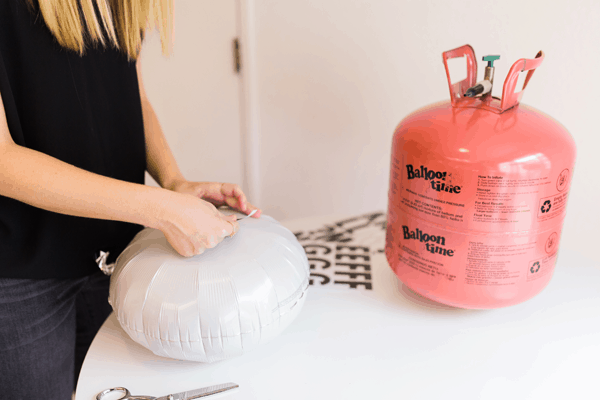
(215, 305)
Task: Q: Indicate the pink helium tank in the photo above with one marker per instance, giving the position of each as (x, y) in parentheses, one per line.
(478, 193)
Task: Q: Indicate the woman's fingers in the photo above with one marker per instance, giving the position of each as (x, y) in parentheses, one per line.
(193, 225)
(188, 248)
(235, 227)
(228, 194)
(234, 197)
(250, 208)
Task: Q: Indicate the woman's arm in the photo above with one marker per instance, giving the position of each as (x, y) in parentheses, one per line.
(46, 182)
(190, 225)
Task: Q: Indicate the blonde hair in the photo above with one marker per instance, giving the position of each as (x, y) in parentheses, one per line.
(75, 22)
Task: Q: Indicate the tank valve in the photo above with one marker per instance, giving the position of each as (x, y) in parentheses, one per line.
(485, 86)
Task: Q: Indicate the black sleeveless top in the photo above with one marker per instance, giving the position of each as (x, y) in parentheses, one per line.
(85, 111)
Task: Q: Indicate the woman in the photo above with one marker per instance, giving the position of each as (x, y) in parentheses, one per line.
(76, 135)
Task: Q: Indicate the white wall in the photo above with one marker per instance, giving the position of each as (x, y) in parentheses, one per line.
(334, 78)
(196, 92)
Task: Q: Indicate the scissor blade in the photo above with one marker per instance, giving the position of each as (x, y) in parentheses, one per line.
(247, 216)
(200, 393)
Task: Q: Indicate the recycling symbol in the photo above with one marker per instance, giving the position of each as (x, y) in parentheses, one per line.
(535, 265)
(546, 206)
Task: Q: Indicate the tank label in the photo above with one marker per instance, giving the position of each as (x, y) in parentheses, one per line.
(479, 260)
(540, 267)
(433, 207)
(437, 178)
(445, 261)
(489, 263)
(502, 200)
(551, 206)
(437, 242)
(449, 195)
(434, 193)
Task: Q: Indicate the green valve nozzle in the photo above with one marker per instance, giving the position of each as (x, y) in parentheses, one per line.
(490, 60)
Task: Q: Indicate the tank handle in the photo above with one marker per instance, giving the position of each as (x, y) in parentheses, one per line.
(509, 97)
(457, 90)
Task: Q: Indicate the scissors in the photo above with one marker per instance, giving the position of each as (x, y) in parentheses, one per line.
(189, 395)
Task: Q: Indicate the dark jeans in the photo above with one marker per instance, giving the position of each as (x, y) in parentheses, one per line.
(46, 328)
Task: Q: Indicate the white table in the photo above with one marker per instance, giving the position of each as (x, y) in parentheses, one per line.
(388, 343)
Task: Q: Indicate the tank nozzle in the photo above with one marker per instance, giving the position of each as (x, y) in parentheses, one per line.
(489, 70)
(490, 60)
(485, 86)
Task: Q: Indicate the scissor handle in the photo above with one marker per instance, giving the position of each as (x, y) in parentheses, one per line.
(127, 395)
(101, 395)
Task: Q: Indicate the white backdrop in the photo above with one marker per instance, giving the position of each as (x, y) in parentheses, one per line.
(325, 82)
(336, 76)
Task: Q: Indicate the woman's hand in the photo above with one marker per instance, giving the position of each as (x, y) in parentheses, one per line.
(218, 194)
(192, 225)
